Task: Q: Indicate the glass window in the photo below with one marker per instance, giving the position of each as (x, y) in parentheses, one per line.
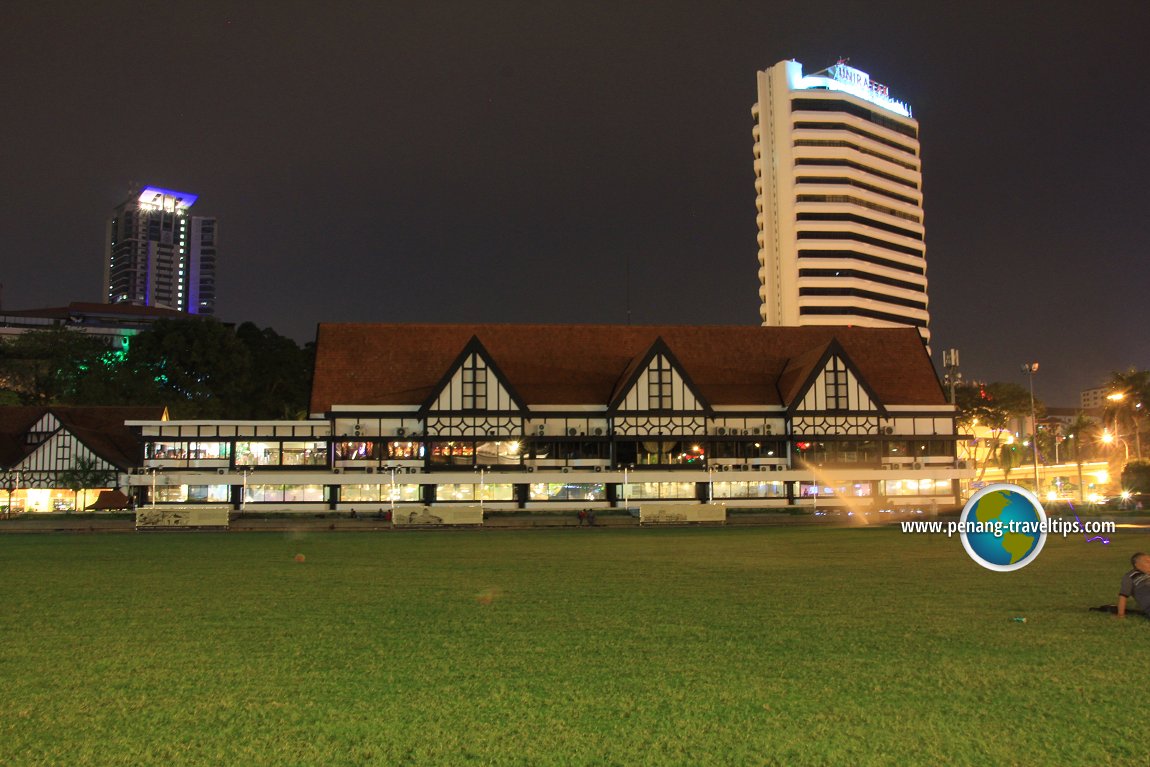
(405, 451)
(264, 493)
(474, 384)
(659, 381)
(304, 493)
(836, 385)
(360, 493)
(835, 489)
(304, 453)
(665, 452)
(452, 453)
(749, 490)
(356, 451)
(933, 448)
(563, 491)
(896, 448)
(654, 490)
(503, 452)
(285, 493)
(896, 487)
(378, 493)
(257, 454)
(182, 451)
(209, 494)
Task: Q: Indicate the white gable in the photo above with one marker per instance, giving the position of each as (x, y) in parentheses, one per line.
(60, 453)
(46, 425)
(835, 389)
(474, 386)
(660, 387)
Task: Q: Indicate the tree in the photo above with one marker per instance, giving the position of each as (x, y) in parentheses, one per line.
(45, 367)
(1125, 406)
(280, 381)
(85, 474)
(995, 407)
(1081, 437)
(1136, 476)
(197, 367)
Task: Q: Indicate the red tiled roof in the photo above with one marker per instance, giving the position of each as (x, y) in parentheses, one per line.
(367, 364)
(102, 429)
(106, 310)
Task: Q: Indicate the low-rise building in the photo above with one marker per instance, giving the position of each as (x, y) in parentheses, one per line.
(60, 458)
(582, 416)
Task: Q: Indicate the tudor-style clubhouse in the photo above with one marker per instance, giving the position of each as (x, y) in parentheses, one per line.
(450, 419)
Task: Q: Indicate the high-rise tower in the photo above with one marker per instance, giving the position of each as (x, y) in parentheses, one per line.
(155, 254)
(839, 193)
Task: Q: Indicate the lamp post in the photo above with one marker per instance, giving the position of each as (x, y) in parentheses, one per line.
(1108, 438)
(1030, 368)
(11, 482)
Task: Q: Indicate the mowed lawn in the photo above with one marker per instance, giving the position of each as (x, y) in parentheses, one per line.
(697, 646)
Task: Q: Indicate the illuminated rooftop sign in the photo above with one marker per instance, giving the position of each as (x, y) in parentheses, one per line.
(155, 198)
(847, 79)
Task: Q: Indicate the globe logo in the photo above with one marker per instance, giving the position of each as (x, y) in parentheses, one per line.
(1003, 527)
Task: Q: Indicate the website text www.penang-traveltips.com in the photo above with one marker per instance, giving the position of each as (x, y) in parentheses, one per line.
(998, 528)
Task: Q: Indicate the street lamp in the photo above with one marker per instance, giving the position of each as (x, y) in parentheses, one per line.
(1030, 368)
(11, 484)
(1108, 438)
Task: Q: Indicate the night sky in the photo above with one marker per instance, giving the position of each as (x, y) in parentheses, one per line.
(513, 161)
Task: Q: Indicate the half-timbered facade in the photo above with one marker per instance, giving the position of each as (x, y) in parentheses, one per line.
(566, 416)
(60, 458)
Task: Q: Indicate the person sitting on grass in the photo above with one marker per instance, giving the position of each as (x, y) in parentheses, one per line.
(1136, 583)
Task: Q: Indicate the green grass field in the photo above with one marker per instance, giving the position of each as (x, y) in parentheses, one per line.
(629, 647)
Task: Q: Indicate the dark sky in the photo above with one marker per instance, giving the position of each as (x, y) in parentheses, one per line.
(506, 161)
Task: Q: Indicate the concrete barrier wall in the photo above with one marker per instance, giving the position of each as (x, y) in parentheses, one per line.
(671, 513)
(182, 516)
(439, 515)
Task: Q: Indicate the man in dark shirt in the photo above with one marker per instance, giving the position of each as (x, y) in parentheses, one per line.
(1136, 583)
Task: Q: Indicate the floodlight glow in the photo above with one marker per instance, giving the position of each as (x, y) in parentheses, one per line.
(157, 198)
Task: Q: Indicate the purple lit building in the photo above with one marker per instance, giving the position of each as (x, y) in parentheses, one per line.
(156, 254)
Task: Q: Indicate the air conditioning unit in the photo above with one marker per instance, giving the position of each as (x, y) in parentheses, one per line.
(530, 468)
(540, 429)
(401, 432)
(371, 470)
(598, 431)
(888, 430)
(599, 468)
(358, 430)
(757, 430)
(962, 464)
(140, 470)
(337, 470)
(916, 466)
(746, 432)
(779, 467)
(572, 432)
(221, 472)
(566, 469)
(726, 467)
(745, 467)
(765, 467)
(721, 431)
(767, 429)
